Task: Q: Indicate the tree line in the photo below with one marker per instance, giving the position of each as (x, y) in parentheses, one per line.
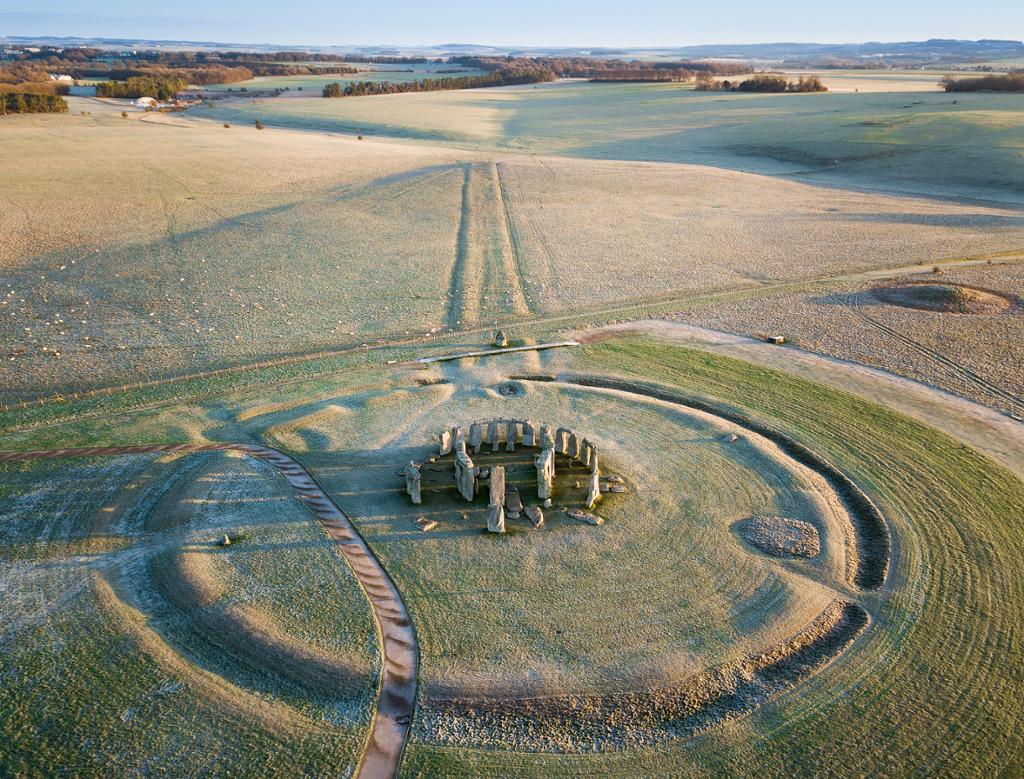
(496, 78)
(761, 82)
(144, 86)
(198, 68)
(18, 103)
(644, 74)
(592, 68)
(1010, 82)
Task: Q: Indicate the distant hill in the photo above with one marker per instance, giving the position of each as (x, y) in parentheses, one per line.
(936, 51)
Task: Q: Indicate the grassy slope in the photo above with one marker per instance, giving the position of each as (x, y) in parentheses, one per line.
(934, 687)
(922, 142)
(93, 685)
(613, 602)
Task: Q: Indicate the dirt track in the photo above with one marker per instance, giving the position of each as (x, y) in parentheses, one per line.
(399, 649)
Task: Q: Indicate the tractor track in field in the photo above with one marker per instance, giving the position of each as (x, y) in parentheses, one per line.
(853, 303)
(455, 309)
(513, 239)
(396, 695)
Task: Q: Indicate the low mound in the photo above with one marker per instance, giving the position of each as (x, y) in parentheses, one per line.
(950, 298)
(779, 536)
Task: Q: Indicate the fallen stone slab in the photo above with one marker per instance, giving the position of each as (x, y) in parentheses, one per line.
(585, 516)
(425, 524)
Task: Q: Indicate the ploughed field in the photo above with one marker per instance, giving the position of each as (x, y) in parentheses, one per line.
(735, 608)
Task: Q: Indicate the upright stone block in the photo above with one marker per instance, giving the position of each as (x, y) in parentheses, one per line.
(513, 503)
(535, 515)
(594, 491)
(574, 446)
(547, 437)
(476, 436)
(529, 434)
(494, 435)
(413, 482)
(545, 463)
(593, 460)
(465, 473)
(562, 440)
(586, 451)
(446, 443)
(511, 435)
(496, 500)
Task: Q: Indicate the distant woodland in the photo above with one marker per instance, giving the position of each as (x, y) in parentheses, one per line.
(164, 74)
(16, 103)
(761, 82)
(1010, 82)
(142, 86)
(494, 78)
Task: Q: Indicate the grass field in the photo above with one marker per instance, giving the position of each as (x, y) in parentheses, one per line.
(661, 642)
(247, 245)
(118, 604)
(920, 674)
(920, 143)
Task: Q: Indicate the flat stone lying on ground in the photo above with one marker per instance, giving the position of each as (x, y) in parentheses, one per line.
(585, 516)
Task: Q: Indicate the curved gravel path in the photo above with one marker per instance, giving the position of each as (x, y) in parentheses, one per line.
(399, 650)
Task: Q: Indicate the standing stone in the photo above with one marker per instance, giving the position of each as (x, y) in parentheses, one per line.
(529, 434)
(495, 508)
(513, 502)
(594, 492)
(458, 434)
(413, 482)
(545, 463)
(500, 339)
(465, 473)
(476, 436)
(586, 451)
(535, 515)
(574, 446)
(446, 442)
(593, 460)
(547, 437)
(562, 440)
(494, 435)
(511, 434)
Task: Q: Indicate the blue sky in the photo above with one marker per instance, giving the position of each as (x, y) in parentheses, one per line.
(522, 22)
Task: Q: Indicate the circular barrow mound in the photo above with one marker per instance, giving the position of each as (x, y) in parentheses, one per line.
(947, 298)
